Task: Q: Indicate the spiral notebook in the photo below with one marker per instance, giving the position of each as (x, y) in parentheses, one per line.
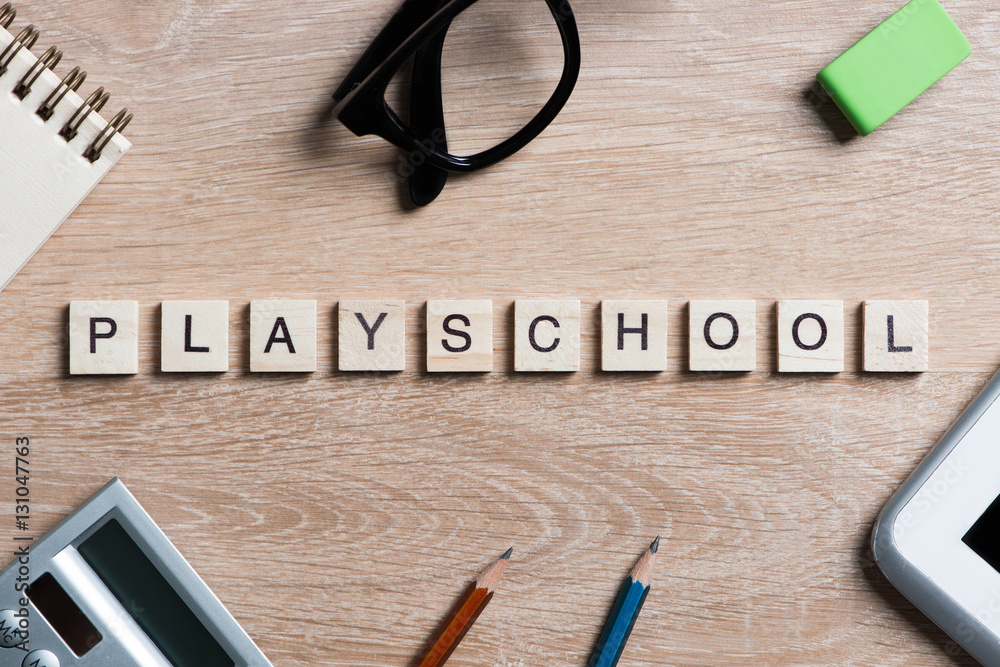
(54, 145)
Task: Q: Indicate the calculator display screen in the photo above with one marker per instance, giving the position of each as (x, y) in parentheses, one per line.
(984, 536)
(150, 599)
(70, 623)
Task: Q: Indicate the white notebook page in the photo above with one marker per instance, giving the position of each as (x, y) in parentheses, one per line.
(42, 177)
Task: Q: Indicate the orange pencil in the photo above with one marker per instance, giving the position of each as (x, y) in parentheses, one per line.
(461, 617)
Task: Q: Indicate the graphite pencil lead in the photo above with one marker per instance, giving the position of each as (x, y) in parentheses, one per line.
(506, 555)
(655, 545)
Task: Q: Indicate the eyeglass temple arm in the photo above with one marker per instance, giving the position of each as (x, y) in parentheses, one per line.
(427, 120)
(411, 14)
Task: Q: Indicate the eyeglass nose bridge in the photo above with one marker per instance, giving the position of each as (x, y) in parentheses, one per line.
(354, 111)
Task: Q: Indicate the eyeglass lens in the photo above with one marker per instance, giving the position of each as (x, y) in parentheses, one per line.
(501, 62)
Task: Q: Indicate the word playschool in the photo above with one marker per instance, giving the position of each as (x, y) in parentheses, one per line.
(103, 336)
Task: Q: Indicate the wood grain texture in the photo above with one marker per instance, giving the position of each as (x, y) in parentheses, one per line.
(337, 514)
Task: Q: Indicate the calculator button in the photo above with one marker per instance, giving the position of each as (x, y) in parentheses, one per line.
(40, 658)
(9, 636)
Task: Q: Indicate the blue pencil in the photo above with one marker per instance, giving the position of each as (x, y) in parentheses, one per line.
(626, 610)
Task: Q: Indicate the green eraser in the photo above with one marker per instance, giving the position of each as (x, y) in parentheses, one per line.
(890, 66)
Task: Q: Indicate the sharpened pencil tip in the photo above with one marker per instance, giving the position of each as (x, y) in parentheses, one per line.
(655, 545)
(507, 554)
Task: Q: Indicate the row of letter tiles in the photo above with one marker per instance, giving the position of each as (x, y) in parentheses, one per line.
(194, 336)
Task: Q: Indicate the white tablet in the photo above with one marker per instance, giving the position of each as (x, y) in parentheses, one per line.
(938, 538)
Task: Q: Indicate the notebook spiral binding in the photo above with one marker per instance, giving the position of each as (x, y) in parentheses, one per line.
(26, 39)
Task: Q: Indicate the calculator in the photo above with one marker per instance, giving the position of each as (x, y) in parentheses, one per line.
(106, 587)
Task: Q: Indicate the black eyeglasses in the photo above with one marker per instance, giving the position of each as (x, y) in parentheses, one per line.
(418, 30)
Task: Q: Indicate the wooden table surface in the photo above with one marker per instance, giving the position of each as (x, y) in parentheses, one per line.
(338, 515)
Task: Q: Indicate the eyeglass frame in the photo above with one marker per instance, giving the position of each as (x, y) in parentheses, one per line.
(361, 104)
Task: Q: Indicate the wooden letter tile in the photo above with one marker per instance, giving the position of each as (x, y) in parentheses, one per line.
(896, 336)
(282, 336)
(634, 335)
(459, 336)
(722, 335)
(194, 336)
(372, 335)
(810, 336)
(103, 337)
(546, 336)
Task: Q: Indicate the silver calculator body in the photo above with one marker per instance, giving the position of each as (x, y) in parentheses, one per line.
(107, 588)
